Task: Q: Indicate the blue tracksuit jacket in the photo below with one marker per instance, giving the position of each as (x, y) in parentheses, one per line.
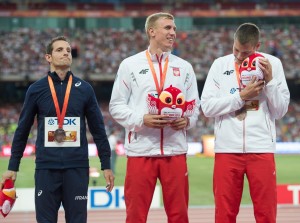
(39, 103)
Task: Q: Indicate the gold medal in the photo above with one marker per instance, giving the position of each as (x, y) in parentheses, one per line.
(59, 135)
(241, 114)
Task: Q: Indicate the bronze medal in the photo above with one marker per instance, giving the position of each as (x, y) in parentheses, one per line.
(59, 135)
(241, 114)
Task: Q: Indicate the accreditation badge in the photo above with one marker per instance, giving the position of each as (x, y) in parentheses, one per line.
(68, 136)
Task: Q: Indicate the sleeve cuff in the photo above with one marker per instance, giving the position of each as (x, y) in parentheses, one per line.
(105, 163)
(239, 100)
(13, 164)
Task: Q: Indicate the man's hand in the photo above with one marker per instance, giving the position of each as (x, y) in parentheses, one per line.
(156, 121)
(252, 90)
(180, 123)
(109, 178)
(9, 174)
(266, 68)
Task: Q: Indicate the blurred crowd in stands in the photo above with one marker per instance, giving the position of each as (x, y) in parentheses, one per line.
(288, 127)
(100, 51)
(139, 4)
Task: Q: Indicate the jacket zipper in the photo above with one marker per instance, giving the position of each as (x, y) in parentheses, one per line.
(161, 130)
(244, 136)
(129, 136)
(60, 99)
(162, 141)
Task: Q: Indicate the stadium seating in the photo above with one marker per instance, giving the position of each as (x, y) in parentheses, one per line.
(283, 5)
(46, 6)
(241, 5)
(200, 47)
(195, 6)
(94, 6)
(143, 6)
(8, 6)
(137, 5)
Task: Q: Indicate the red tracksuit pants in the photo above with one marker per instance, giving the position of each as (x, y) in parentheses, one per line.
(141, 177)
(228, 182)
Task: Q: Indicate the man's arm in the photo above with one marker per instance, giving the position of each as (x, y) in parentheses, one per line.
(213, 103)
(277, 91)
(25, 123)
(131, 119)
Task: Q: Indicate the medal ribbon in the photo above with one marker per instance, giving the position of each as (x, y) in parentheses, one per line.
(238, 75)
(163, 74)
(238, 78)
(160, 87)
(60, 115)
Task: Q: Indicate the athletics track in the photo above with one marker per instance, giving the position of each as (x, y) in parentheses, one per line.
(286, 214)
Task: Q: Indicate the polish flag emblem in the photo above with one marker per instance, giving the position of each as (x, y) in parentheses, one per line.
(176, 71)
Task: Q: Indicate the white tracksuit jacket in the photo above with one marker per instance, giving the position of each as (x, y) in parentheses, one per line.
(128, 104)
(220, 99)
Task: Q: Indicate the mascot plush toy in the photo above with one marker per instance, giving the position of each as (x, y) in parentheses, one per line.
(250, 68)
(7, 197)
(170, 102)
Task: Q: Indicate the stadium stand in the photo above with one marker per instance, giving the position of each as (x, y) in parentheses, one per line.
(283, 5)
(148, 4)
(94, 6)
(46, 6)
(241, 5)
(143, 6)
(98, 55)
(194, 6)
(8, 6)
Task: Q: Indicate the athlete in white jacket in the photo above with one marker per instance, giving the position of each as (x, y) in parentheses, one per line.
(129, 104)
(155, 97)
(245, 134)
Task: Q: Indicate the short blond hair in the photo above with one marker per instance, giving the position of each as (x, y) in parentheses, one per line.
(151, 20)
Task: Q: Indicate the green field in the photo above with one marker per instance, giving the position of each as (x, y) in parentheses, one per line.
(200, 175)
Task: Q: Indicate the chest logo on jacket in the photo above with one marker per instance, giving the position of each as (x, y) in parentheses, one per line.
(233, 90)
(228, 72)
(144, 71)
(176, 72)
(77, 84)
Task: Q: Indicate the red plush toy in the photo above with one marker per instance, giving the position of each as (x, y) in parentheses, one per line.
(171, 102)
(250, 68)
(7, 197)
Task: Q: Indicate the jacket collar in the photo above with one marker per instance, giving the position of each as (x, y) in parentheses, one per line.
(56, 78)
(154, 58)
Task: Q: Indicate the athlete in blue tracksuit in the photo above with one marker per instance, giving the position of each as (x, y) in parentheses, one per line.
(62, 167)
